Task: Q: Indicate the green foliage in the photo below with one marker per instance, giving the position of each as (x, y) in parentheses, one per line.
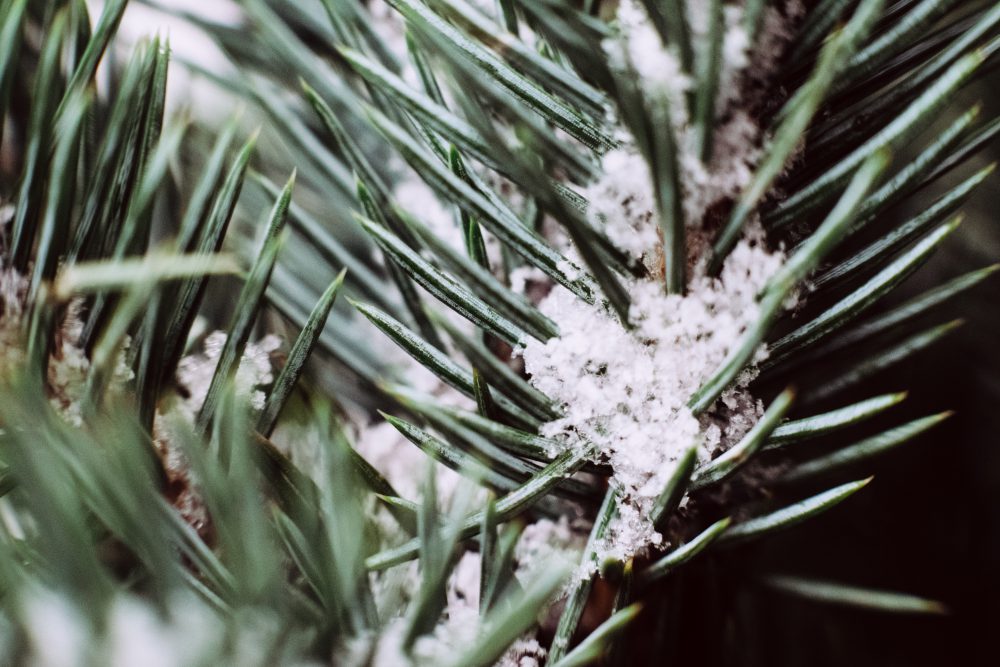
(505, 134)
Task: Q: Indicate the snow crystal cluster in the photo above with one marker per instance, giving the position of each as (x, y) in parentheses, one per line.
(434, 649)
(627, 390)
(541, 544)
(456, 632)
(194, 376)
(736, 134)
(194, 372)
(68, 365)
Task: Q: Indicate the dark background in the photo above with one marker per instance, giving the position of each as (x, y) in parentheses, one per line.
(929, 524)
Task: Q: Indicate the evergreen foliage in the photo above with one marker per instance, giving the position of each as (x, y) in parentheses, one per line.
(203, 499)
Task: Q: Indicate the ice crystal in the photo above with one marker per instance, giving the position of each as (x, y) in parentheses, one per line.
(622, 202)
(523, 653)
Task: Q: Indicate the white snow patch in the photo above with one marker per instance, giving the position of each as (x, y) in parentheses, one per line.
(545, 542)
(195, 372)
(622, 200)
(57, 635)
(402, 463)
(194, 376)
(455, 632)
(627, 391)
(68, 365)
(522, 276)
